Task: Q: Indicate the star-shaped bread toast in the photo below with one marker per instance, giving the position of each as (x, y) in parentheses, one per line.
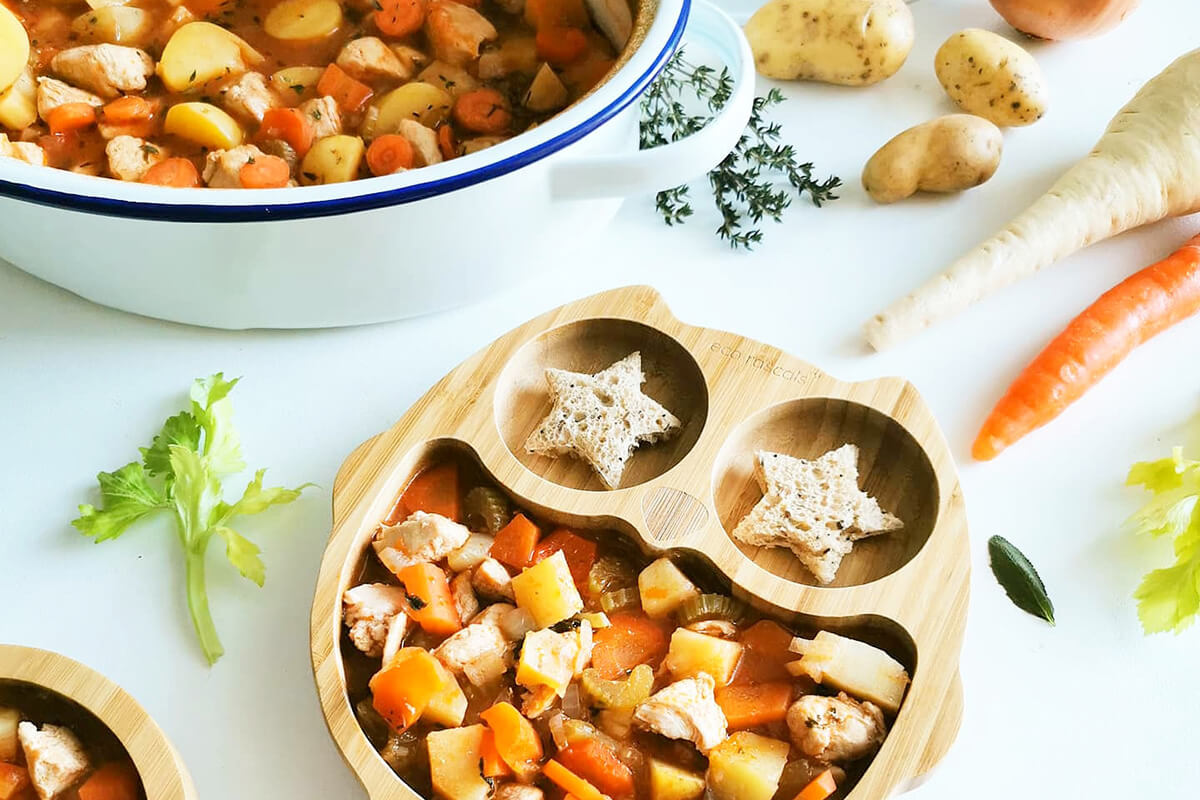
(601, 418)
(813, 507)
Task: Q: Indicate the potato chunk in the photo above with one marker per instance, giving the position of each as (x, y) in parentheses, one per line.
(746, 766)
(454, 758)
(334, 159)
(199, 52)
(114, 24)
(854, 667)
(18, 103)
(204, 124)
(417, 101)
(547, 591)
(669, 782)
(302, 20)
(10, 718)
(692, 653)
(664, 588)
(14, 48)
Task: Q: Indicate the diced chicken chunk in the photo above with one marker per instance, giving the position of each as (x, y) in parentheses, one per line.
(369, 611)
(250, 97)
(464, 597)
(52, 93)
(106, 69)
(614, 18)
(479, 652)
(715, 627)
(55, 758)
(223, 168)
(28, 152)
(686, 709)
(129, 157)
(423, 140)
(420, 538)
(368, 58)
(457, 31)
(323, 115)
(518, 791)
(412, 58)
(835, 729)
(492, 581)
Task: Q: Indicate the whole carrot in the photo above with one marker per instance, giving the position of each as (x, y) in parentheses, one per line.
(1132, 312)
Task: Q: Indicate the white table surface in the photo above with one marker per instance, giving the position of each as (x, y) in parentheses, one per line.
(1090, 708)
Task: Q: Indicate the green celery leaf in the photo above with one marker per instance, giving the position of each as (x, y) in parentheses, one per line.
(1019, 579)
(214, 411)
(257, 499)
(197, 492)
(127, 496)
(1169, 598)
(181, 429)
(206, 391)
(243, 554)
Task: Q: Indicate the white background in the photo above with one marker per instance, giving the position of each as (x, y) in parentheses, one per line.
(1090, 708)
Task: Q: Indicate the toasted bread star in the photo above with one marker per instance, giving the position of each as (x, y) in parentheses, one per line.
(813, 507)
(601, 418)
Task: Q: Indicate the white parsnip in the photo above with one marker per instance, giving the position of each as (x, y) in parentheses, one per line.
(1146, 167)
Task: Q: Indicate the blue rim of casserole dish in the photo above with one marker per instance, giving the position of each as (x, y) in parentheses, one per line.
(198, 212)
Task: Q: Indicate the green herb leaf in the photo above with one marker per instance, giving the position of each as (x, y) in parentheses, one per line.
(181, 429)
(243, 554)
(213, 410)
(127, 496)
(1020, 581)
(196, 491)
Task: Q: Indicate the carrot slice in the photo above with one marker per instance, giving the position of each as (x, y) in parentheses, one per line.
(630, 640)
(482, 111)
(516, 740)
(403, 691)
(389, 154)
(492, 763)
(765, 652)
(348, 93)
(400, 17)
(598, 764)
(579, 552)
(754, 705)
(821, 787)
(434, 491)
(116, 780)
(446, 142)
(560, 45)
(129, 109)
(265, 172)
(178, 173)
(429, 600)
(289, 125)
(569, 782)
(515, 543)
(13, 781)
(70, 117)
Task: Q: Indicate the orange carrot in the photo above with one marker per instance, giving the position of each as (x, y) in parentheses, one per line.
(1096, 341)
(13, 781)
(560, 45)
(821, 787)
(598, 764)
(265, 172)
(446, 142)
(629, 640)
(434, 491)
(482, 111)
(290, 125)
(492, 763)
(569, 782)
(400, 17)
(128, 109)
(178, 173)
(402, 691)
(389, 154)
(429, 599)
(751, 705)
(579, 552)
(556, 14)
(348, 93)
(515, 543)
(516, 740)
(764, 653)
(116, 780)
(70, 117)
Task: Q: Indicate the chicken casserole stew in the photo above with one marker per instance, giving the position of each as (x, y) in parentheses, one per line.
(275, 93)
(489, 655)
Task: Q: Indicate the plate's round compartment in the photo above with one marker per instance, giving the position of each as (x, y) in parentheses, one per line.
(893, 468)
(54, 689)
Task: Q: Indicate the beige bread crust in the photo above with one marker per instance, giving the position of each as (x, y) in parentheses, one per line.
(1146, 167)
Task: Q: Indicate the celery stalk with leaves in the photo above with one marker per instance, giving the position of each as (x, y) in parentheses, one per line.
(181, 473)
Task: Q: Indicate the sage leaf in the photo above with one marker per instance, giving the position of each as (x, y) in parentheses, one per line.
(1019, 579)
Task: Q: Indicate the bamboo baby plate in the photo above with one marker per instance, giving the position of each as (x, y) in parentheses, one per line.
(163, 773)
(905, 591)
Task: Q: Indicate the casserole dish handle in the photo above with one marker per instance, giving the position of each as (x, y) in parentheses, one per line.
(678, 162)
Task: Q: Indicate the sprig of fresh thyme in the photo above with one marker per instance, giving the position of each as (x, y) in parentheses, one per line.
(755, 181)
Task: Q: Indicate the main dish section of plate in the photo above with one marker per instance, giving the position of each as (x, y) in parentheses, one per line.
(491, 653)
(51, 748)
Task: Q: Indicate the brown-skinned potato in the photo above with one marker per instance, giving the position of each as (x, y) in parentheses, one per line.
(947, 154)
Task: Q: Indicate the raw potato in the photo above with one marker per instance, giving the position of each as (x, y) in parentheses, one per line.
(199, 52)
(18, 103)
(947, 154)
(991, 77)
(114, 24)
(334, 159)
(14, 48)
(417, 101)
(301, 20)
(204, 124)
(850, 42)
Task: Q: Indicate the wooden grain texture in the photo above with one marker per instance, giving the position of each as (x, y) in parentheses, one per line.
(162, 770)
(907, 591)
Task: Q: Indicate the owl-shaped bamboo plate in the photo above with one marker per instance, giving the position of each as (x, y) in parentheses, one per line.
(905, 592)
